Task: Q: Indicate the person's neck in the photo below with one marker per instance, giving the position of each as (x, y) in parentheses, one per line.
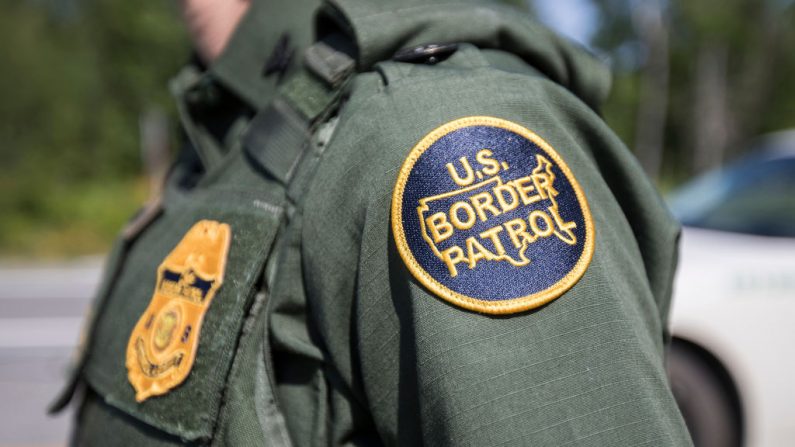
(211, 24)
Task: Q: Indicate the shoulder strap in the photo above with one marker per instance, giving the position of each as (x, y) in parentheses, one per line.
(278, 135)
(278, 139)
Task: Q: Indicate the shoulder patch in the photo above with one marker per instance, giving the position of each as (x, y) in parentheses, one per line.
(488, 216)
(162, 346)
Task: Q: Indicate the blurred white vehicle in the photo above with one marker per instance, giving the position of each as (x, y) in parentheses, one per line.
(732, 360)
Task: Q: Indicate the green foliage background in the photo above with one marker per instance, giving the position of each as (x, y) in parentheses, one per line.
(75, 78)
(77, 75)
(754, 41)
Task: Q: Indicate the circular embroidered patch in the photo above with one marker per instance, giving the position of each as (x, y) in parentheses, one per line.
(488, 216)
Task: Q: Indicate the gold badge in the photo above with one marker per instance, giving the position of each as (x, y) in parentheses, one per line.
(163, 344)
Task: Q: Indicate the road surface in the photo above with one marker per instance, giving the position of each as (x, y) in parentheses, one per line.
(41, 314)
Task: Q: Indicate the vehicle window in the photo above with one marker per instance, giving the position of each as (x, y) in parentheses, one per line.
(760, 200)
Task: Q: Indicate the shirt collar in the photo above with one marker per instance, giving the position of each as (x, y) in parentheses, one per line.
(268, 27)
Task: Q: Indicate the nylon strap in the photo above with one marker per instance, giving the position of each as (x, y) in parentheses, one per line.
(278, 136)
(210, 153)
(277, 141)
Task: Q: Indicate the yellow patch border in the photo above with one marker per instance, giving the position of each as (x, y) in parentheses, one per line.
(503, 307)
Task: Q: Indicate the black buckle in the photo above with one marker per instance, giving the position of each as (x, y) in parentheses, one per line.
(429, 54)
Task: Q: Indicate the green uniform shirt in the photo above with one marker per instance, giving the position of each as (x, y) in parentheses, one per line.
(322, 333)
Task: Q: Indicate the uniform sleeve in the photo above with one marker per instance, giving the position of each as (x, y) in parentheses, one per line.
(584, 368)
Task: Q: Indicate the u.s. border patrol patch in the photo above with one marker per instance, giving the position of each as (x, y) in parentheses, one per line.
(489, 217)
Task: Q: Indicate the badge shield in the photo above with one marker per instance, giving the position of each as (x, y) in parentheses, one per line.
(163, 344)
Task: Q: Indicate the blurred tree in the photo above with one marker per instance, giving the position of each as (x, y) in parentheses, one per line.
(696, 80)
(693, 82)
(651, 20)
(76, 76)
(739, 50)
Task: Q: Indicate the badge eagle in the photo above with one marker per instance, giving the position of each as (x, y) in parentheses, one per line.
(162, 346)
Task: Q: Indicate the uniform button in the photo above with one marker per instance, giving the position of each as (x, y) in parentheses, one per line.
(203, 95)
(428, 54)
